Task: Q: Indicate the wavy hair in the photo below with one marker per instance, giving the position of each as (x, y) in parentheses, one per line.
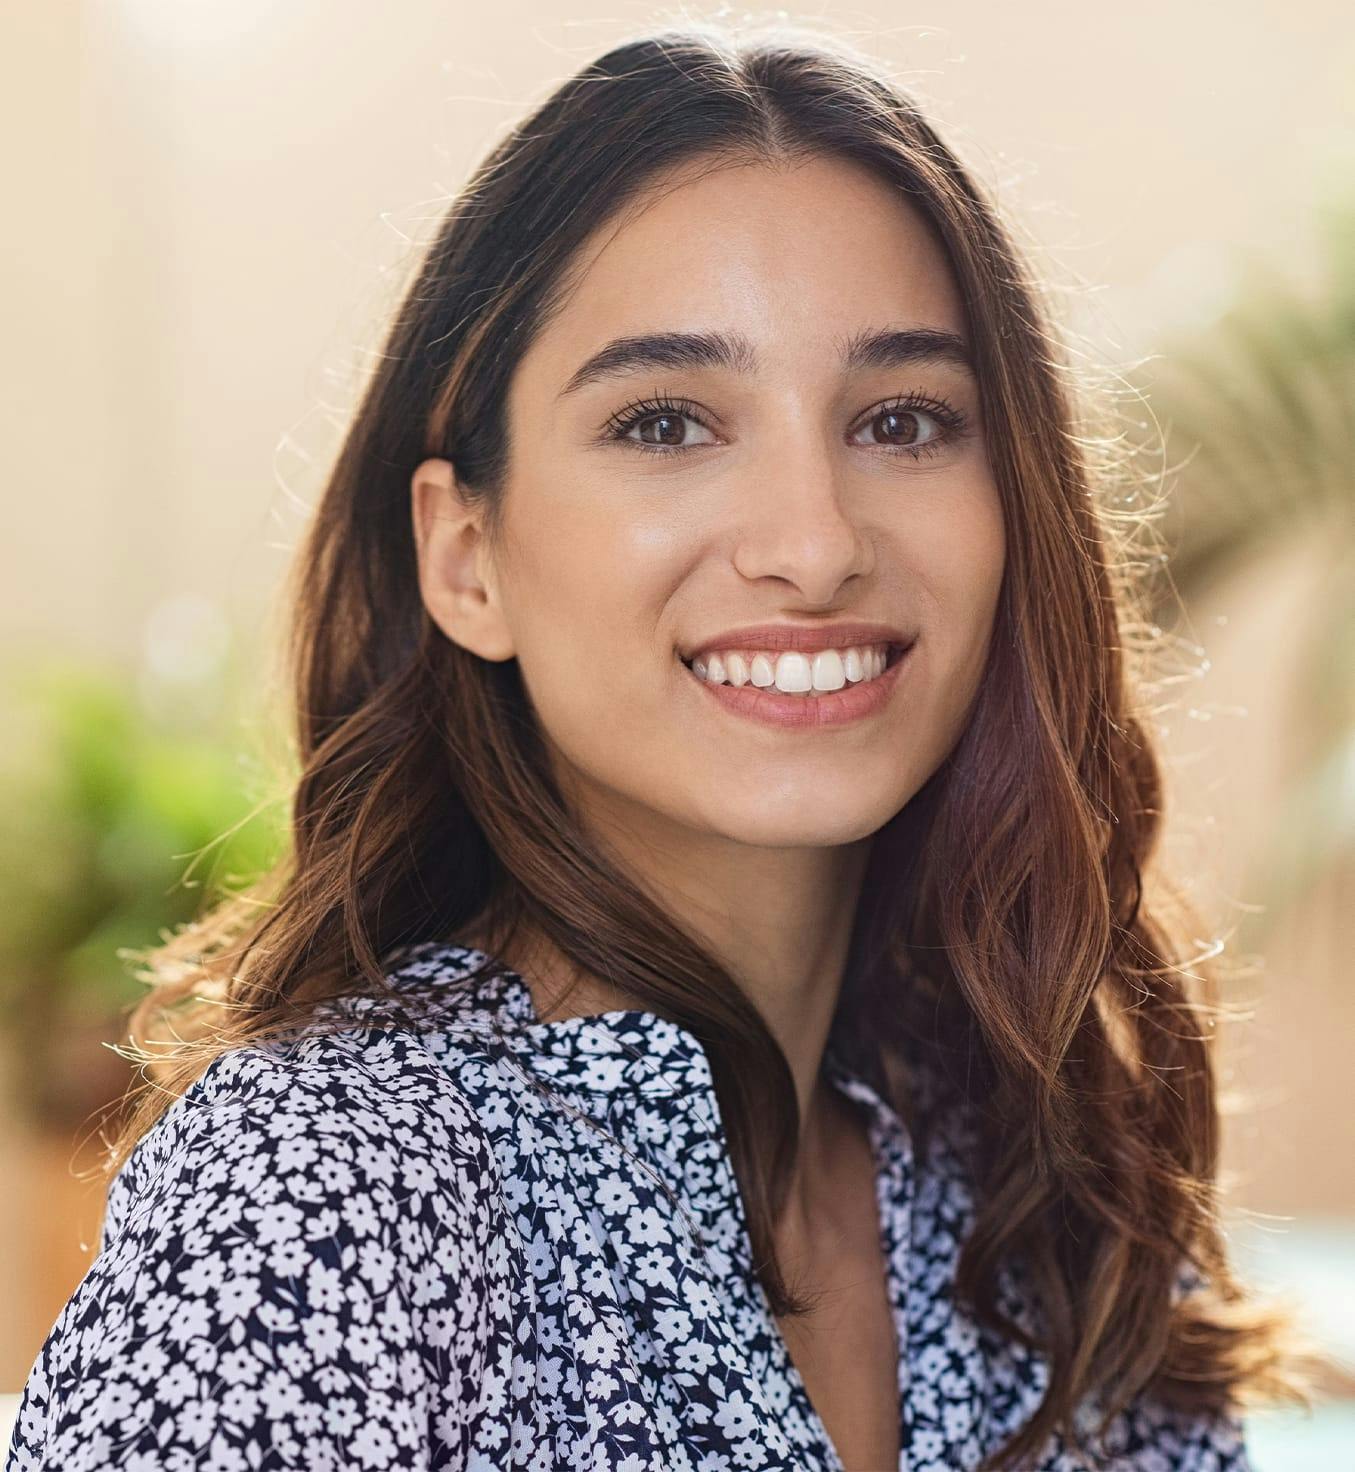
(1006, 936)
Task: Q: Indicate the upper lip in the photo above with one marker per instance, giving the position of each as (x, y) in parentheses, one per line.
(809, 638)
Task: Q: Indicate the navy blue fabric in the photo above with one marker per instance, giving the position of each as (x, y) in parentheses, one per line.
(463, 1238)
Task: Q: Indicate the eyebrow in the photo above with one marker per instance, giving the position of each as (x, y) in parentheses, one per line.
(889, 347)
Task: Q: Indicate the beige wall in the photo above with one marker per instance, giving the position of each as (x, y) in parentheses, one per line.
(206, 213)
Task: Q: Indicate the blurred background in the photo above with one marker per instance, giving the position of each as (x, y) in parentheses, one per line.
(212, 207)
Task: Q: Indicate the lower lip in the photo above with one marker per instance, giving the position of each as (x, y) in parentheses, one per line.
(808, 712)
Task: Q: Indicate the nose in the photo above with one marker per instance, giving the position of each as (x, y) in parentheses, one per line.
(795, 526)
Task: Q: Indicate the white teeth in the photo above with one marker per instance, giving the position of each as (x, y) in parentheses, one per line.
(794, 672)
(794, 675)
(828, 673)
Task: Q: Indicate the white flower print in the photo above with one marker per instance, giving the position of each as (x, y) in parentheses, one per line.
(447, 1235)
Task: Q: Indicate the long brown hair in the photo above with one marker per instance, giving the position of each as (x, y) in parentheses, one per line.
(1006, 929)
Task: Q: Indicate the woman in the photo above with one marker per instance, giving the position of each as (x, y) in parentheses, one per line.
(710, 1016)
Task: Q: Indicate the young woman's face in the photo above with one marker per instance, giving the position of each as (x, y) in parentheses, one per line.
(783, 481)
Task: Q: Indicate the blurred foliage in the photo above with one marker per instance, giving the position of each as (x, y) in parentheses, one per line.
(1258, 411)
(125, 810)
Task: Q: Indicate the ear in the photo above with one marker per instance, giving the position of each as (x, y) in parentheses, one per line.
(456, 580)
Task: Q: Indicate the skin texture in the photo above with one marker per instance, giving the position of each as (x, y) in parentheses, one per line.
(788, 501)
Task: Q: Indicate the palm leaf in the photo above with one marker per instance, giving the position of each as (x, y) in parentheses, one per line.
(1258, 413)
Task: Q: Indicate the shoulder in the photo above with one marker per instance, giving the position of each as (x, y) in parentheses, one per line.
(353, 1149)
(1154, 1434)
(397, 1094)
(1153, 1431)
(309, 1227)
(312, 1120)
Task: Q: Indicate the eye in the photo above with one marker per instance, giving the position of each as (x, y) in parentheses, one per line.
(660, 418)
(903, 425)
(662, 425)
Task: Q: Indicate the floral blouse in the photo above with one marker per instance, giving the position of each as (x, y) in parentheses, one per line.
(463, 1238)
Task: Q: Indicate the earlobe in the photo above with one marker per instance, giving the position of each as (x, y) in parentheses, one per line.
(451, 559)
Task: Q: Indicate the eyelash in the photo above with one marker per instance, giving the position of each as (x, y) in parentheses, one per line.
(952, 420)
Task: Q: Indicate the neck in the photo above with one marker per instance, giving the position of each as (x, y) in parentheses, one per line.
(779, 920)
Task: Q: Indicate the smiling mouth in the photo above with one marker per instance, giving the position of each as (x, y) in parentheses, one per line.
(790, 672)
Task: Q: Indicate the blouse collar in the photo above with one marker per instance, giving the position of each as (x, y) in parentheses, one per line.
(614, 1054)
(622, 1064)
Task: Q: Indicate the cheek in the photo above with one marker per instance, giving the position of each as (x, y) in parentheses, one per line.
(965, 556)
(589, 601)
(954, 567)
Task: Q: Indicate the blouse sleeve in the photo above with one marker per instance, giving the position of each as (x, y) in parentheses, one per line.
(305, 1267)
(1153, 1437)
(1159, 1439)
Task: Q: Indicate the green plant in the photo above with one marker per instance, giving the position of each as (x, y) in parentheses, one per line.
(124, 809)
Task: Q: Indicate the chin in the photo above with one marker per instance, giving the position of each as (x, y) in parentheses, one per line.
(787, 822)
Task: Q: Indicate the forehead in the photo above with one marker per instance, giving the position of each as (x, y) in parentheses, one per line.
(792, 258)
